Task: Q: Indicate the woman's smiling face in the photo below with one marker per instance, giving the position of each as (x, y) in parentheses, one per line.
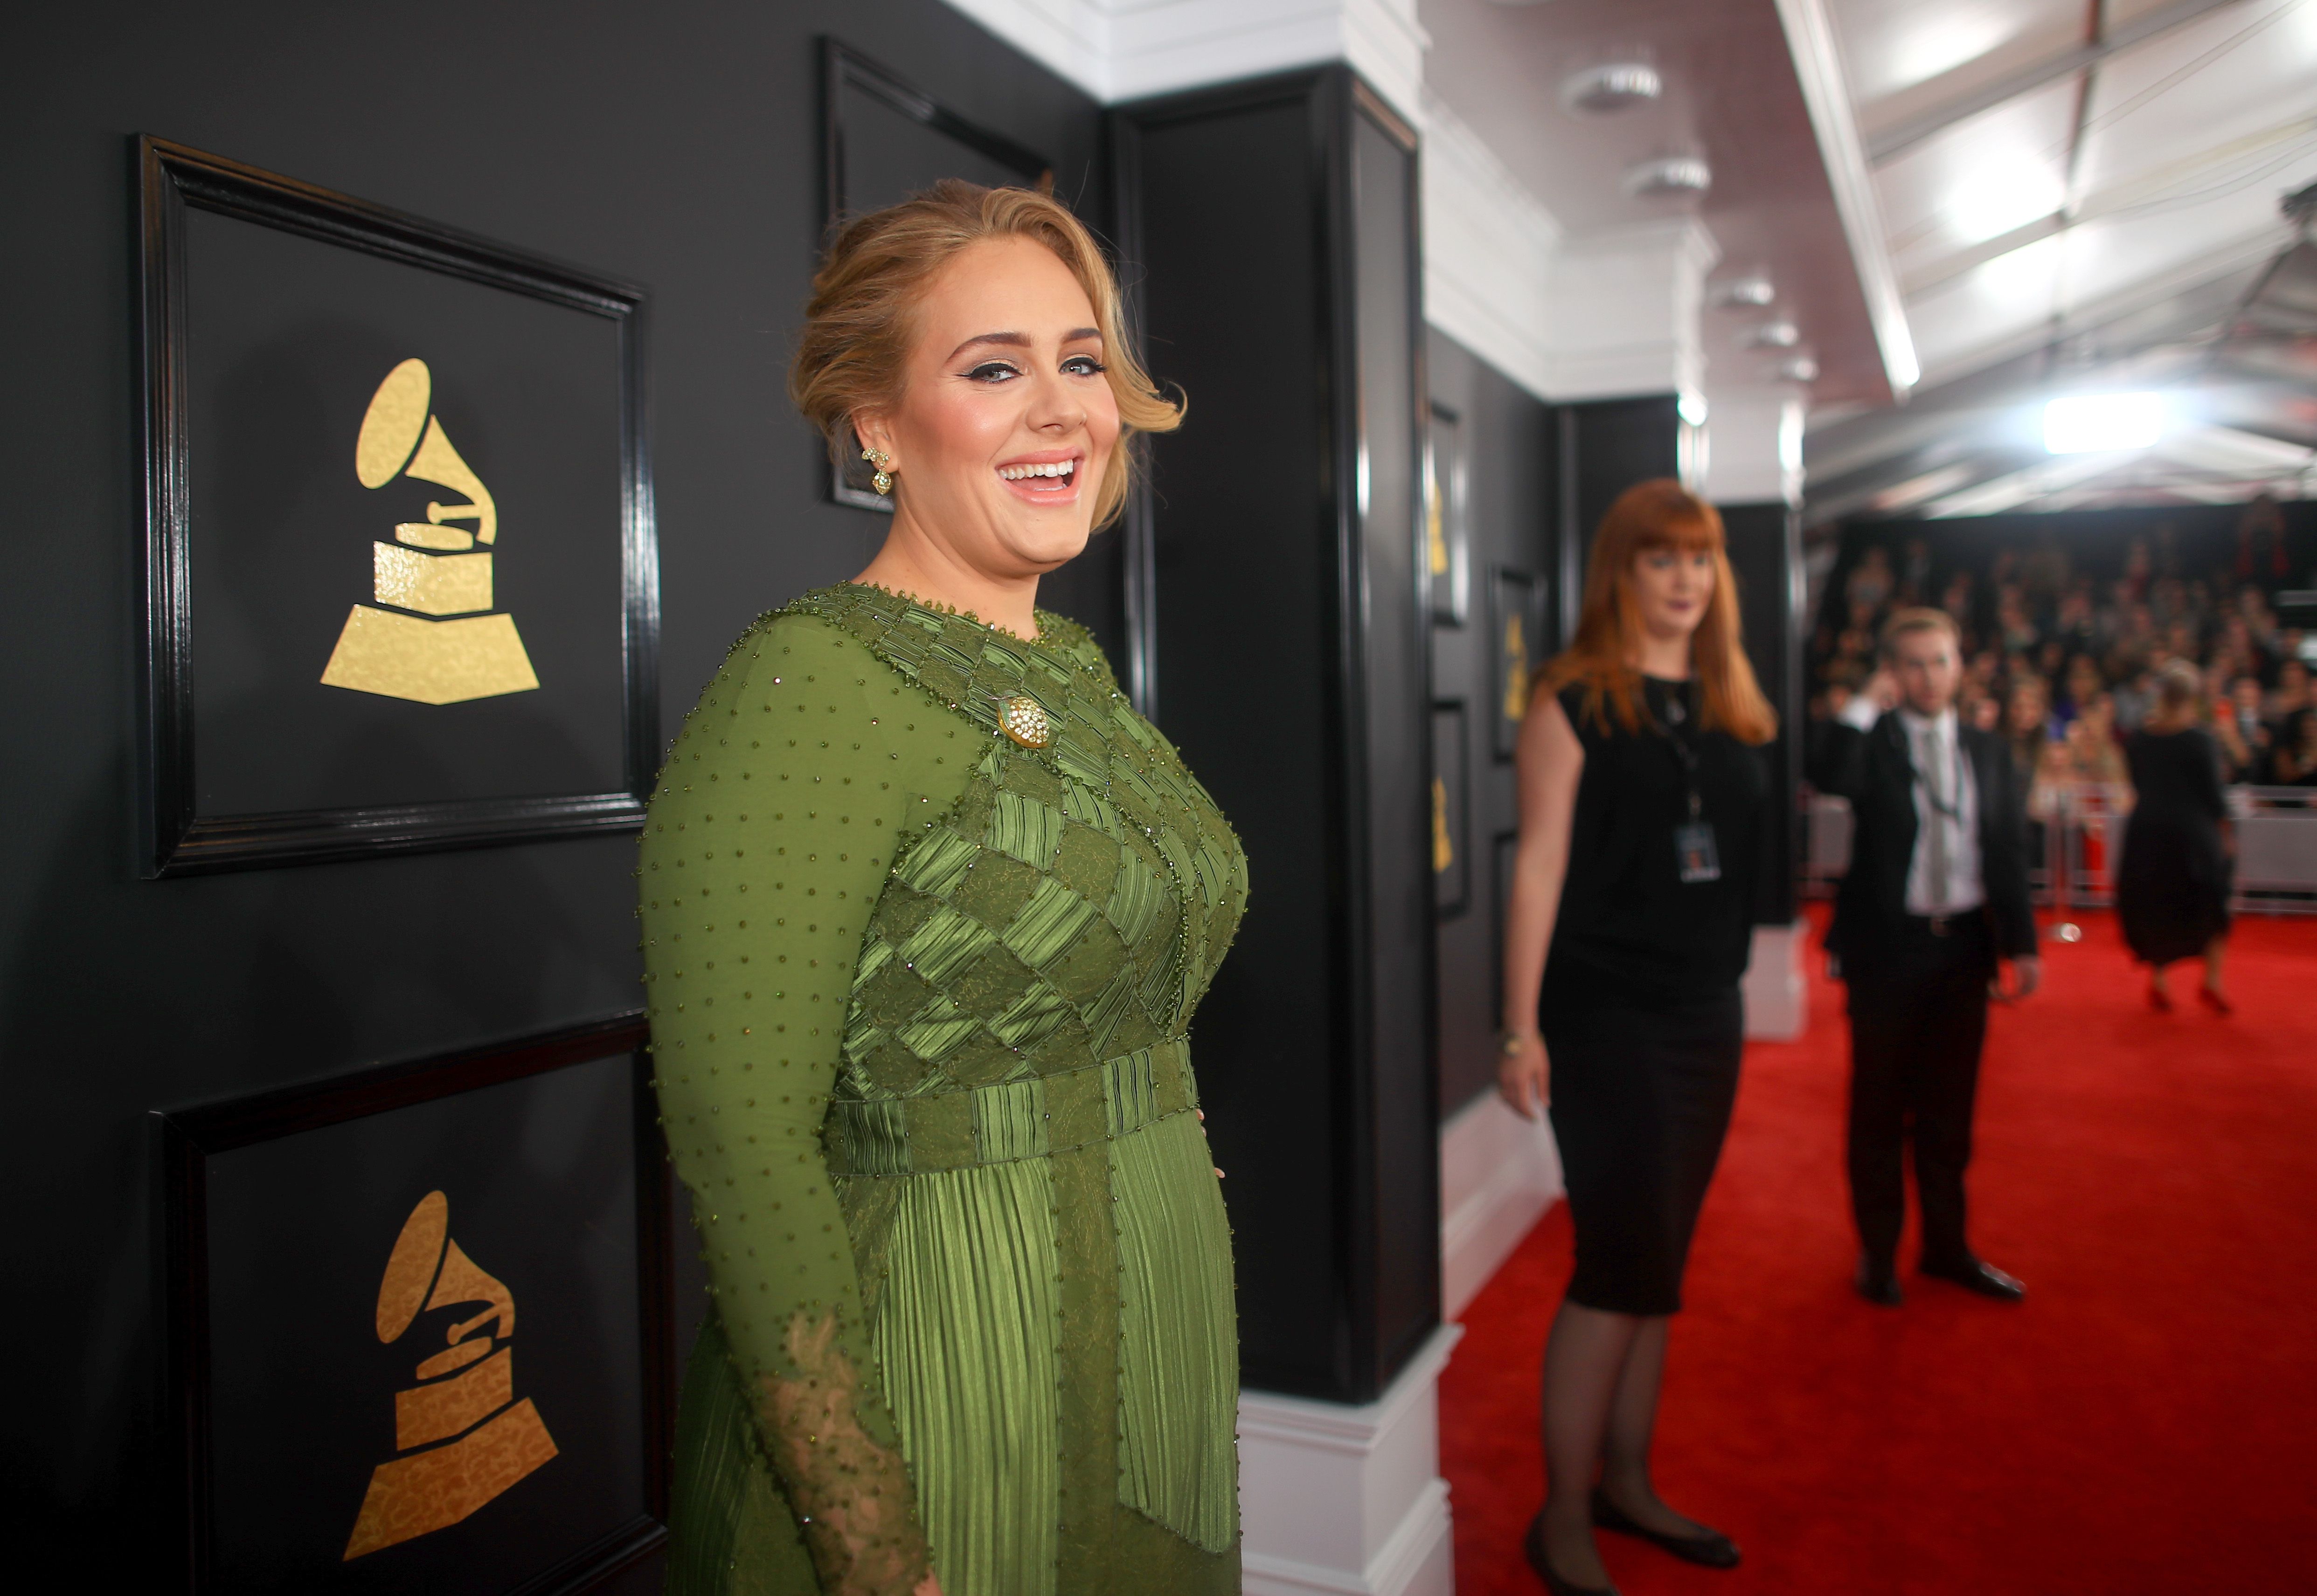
(1005, 423)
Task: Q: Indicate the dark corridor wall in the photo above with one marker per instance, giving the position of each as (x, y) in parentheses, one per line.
(1512, 486)
(675, 145)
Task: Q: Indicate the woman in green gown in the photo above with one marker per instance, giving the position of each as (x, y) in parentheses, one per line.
(928, 907)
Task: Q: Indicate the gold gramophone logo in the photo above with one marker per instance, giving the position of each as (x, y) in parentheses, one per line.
(437, 644)
(461, 1437)
(1516, 648)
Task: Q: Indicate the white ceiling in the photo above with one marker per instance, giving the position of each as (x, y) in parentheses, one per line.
(2069, 194)
(1730, 95)
(2075, 194)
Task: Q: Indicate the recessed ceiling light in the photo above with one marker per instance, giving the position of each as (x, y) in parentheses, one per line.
(1803, 368)
(1614, 85)
(1669, 175)
(1749, 292)
(1780, 334)
(2088, 421)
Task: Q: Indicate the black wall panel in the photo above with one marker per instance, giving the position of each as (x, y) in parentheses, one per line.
(1510, 513)
(674, 145)
(1606, 446)
(1272, 228)
(1395, 696)
(1765, 553)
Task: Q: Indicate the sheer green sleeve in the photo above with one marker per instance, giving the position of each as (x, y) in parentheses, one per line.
(776, 818)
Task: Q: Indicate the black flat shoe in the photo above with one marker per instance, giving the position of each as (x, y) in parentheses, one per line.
(1711, 1549)
(1974, 1274)
(1533, 1544)
(1878, 1283)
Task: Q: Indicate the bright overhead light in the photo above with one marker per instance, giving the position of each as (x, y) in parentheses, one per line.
(1614, 85)
(1780, 334)
(1669, 175)
(1740, 293)
(2108, 421)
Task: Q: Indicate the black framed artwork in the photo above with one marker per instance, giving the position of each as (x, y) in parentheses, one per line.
(1515, 623)
(1447, 532)
(420, 1322)
(1451, 811)
(883, 139)
(1504, 848)
(400, 581)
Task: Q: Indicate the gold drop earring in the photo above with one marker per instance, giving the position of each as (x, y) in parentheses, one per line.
(883, 480)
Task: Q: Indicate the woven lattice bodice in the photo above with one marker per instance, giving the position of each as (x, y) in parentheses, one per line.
(1069, 908)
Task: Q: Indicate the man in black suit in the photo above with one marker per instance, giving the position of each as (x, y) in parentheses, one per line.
(1936, 896)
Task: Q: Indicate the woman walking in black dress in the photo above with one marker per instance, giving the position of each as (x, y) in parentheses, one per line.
(2172, 886)
(1641, 799)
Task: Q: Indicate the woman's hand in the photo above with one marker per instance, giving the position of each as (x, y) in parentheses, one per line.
(1525, 1077)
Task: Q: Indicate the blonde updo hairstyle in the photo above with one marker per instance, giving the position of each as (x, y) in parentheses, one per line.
(861, 322)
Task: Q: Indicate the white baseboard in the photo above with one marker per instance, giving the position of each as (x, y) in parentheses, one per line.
(1499, 1173)
(1777, 991)
(1347, 1500)
(1418, 1559)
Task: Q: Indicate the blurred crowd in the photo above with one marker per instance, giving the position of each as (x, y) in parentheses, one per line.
(2062, 659)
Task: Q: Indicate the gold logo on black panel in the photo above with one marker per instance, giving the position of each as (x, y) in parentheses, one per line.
(430, 637)
(461, 1437)
(1516, 650)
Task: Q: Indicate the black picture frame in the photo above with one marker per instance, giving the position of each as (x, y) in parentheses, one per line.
(1451, 810)
(180, 839)
(197, 1143)
(1515, 623)
(1448, 528)
(845, 72)
(1503, 848)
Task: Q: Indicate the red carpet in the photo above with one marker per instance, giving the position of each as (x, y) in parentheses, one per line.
(2146, 1422)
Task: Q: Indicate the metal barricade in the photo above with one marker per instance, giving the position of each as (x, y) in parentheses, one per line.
(2276, 848)
(2076, 836)
(2088, 836)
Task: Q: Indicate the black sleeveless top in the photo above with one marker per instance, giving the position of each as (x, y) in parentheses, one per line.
(1630, 930)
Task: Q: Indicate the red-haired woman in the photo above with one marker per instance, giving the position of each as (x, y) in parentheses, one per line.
(1643, 797)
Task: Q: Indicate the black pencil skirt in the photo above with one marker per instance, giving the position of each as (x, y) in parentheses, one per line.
(1640, 1102)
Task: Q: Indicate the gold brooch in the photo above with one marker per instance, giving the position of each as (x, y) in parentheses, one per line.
(1024, 719)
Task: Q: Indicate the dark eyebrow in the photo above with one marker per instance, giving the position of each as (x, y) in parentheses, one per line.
(1008, 339)
(1021, 340)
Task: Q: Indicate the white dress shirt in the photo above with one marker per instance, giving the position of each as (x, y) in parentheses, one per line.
(1944, 876)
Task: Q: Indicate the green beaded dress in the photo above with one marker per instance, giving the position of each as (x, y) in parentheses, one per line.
(919, 992)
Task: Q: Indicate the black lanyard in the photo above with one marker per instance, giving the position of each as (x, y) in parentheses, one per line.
(1676, 714)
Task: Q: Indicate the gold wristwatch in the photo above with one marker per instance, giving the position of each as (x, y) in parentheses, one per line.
(1510, 1042)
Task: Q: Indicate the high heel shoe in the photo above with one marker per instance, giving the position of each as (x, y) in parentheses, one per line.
(1711, 1549)
(1533, 1544)
(2214, 1001)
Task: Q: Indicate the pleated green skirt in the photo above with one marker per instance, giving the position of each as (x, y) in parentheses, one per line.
(1057, 1343)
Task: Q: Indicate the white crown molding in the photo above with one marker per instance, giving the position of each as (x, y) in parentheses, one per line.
(1489, 247)
(1755, 447)
(1626, 305)
(1126, 50)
